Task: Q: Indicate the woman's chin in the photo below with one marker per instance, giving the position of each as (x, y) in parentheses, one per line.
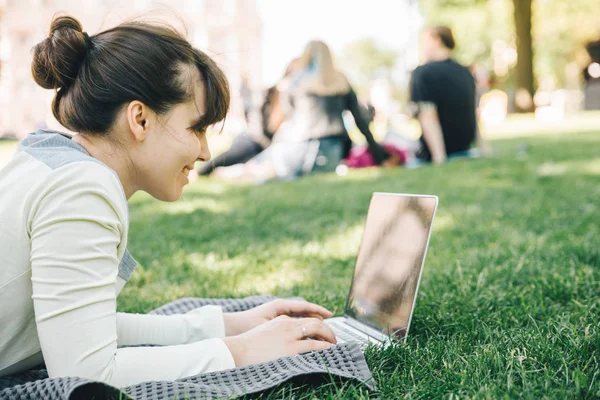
(176, 194)
(171, 195)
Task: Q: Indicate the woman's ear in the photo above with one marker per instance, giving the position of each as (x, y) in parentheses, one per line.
(137, 120)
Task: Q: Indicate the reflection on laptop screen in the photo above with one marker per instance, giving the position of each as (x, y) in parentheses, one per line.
(390, 260)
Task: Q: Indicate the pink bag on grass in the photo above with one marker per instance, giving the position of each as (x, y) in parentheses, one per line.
(361, 158)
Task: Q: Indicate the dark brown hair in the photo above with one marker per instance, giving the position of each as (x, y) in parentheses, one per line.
(95, 76)
(445, 35)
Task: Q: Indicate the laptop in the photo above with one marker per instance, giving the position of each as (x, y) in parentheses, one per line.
(388, 270)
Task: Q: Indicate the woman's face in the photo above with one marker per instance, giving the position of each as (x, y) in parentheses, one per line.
(171, 148)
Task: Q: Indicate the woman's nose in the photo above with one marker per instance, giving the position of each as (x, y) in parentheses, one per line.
(204, 150)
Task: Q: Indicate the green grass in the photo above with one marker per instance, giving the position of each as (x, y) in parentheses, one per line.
(7, 149)
(8, 146)
(509, 300)
(8, 143)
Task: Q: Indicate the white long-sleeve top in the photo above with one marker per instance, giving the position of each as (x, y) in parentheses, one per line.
(63, 261)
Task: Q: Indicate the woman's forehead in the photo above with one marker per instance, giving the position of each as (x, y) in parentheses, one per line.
(198, 100)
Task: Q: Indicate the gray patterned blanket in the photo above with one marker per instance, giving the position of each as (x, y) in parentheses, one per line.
(344, 362)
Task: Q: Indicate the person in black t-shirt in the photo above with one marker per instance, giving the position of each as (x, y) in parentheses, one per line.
(442, 95)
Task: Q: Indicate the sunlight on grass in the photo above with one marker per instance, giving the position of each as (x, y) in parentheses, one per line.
(363, 174)
(205, 204)
(8, 144)
(208, 186)
(211, 262)
(442, 222)
(552, 169)
(526, 125)
(488, 178)
(286, 276)
(7, 149)
(581, 167)
(343, 244)
(187, 206)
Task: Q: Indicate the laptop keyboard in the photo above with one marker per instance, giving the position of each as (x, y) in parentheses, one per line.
(344, 335)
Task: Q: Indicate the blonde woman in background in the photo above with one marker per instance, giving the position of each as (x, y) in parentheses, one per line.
(312, 137)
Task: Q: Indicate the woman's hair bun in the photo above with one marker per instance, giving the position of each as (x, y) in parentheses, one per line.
(57, 59)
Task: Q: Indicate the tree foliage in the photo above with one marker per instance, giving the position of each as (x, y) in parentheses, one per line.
(364, 60)
(560, 29)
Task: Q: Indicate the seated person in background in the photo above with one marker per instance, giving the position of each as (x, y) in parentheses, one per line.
(442, 94)
(262, 125)
(312, 137)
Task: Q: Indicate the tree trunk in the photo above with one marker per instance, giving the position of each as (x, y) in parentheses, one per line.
(525, 81)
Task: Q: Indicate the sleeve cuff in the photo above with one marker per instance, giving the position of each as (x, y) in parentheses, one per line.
(133, 365)
(205, 322)
(226, 358)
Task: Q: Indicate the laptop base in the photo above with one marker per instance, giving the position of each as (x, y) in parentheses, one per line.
(345, 333)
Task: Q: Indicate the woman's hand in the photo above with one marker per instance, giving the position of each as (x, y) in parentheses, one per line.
(243, 321)
(379, 153)
(393, 161)
(280, 337)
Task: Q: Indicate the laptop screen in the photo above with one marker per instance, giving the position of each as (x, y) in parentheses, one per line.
(390, 260)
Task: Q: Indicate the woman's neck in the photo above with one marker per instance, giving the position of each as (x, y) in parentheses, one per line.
(111, 155)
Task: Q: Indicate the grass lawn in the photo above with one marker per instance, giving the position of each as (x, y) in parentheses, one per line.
(8, 143)
(509, 300)
(7, 149)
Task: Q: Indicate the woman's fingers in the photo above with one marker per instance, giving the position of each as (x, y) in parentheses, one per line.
(280, 337)
(313, 328)
(305, 346)
(300, 308)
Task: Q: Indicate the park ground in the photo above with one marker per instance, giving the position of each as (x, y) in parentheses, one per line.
(509, 300)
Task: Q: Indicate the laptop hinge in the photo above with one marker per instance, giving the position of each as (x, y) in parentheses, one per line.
(361, 326)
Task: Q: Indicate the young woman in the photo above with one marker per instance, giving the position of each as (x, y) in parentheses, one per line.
(312, 136)
(315, 102)
(140, 97)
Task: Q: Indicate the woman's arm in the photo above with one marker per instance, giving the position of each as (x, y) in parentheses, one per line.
(138, 329)
(377, 151)
(76, 229)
